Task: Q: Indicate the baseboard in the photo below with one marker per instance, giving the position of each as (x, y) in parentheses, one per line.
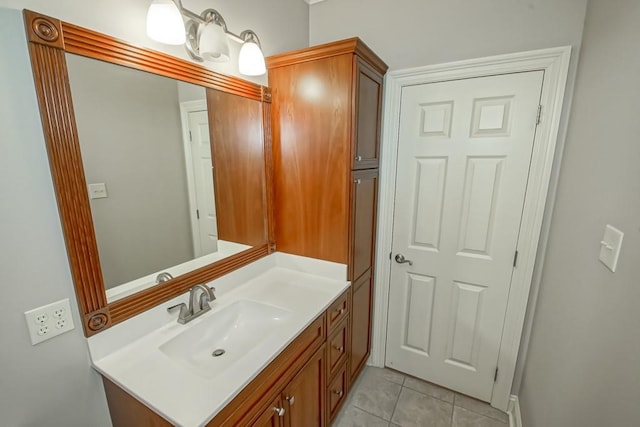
(515, 419)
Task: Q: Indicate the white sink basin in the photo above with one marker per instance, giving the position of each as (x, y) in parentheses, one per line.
(236, 329)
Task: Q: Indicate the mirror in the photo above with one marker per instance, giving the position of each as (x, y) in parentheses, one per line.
(145, 141)
(137, 196)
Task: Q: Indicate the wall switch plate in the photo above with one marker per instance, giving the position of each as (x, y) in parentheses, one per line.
(98, 190)
(610, 247)
(49, 320)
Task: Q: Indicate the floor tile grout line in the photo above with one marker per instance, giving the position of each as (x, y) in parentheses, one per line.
(455, 398)
(373, 415)
(435, 397)
(395, 406)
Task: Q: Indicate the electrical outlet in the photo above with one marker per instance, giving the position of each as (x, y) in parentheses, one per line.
(49, 320)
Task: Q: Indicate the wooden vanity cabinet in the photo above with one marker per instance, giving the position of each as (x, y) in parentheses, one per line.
(301, 403)
(326, 103)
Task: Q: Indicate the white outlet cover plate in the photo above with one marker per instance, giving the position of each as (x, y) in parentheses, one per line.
(98, 190)
(49, 321)
(610, 247)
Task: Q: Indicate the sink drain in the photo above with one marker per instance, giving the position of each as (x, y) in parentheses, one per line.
(218, 352)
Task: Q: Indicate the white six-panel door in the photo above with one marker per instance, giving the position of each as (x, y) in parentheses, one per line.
(207, 235)
(463, 161)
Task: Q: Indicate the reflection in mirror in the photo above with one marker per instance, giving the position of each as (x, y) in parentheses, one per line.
(146, 148)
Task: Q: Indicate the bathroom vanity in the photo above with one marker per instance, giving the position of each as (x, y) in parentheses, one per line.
(282, 325)
(295, 169)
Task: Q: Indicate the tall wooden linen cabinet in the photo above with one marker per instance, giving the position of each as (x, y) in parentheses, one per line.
(326, 109)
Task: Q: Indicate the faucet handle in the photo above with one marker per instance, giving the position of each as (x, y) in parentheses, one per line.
(180, 306)
(183, 309)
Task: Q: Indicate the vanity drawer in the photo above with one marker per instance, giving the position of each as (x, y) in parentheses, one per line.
(338, 347)
(337, 391)
(338, 311)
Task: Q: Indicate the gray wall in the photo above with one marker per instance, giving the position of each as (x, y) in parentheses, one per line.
(412, 33)
(131, 140)
(583, 367)
(52, 383)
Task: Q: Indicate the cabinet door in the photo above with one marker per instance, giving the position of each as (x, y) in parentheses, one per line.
(303, 398)
(367, 88)
(360, 323)
(364, 199)
(272, 416)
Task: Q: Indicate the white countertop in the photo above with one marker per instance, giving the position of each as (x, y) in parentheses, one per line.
(129, 355)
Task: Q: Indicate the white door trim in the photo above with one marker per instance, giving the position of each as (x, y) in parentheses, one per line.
(555, 63)
(187, 107)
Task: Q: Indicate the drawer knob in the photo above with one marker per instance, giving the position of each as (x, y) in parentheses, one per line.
(291, 400)
(358, 158)
(339, 348)
(338, 392)
(340, 311)
(279, 411)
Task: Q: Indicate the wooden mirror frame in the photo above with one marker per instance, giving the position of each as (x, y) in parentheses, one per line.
(49, 39)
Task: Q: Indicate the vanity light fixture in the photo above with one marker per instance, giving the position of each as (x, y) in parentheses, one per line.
(205, 36)
(251, 59)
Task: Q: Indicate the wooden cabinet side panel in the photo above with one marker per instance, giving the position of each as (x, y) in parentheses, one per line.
(126, 411)
(360, 324)
(237, 148)
(311, 128)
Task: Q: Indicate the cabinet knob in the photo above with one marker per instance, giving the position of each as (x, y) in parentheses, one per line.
(338, 392)
(339, 348)
(291, 400)
(279, 411)
(340, 311)
(358, 158)
(357, 181)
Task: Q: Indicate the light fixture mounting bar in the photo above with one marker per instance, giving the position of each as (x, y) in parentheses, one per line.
(201, 20)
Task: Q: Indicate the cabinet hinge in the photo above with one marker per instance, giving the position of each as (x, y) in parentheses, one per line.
(495, 375)
(515, 259)
(198, 213)
(190, 137)
(539, 115)
(390, 255)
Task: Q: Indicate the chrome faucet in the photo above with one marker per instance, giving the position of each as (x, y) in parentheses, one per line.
(163, 277)
(197, 304)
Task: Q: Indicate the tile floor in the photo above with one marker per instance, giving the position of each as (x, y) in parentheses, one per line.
(386, 398)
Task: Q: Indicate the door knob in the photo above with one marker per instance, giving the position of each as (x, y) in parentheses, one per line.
(401, 260)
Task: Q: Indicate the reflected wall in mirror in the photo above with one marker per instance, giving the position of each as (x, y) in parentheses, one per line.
(159, 165)
(146, 147)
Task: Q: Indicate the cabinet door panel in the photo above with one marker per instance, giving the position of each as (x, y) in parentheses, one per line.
(337, 391)
(304, 396)
(368, 103)
(272, 416)
(364, 196)
(361, 323)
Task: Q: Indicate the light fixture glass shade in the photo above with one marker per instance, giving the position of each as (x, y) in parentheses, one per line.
(214, 44)
(251, 59)
(164, 22)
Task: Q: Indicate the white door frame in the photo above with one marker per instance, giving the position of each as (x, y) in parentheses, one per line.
(187, 107)
(555, 64)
